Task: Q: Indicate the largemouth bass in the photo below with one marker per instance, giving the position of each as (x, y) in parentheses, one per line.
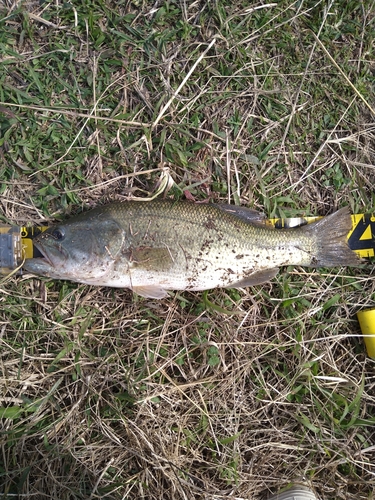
(152, 247)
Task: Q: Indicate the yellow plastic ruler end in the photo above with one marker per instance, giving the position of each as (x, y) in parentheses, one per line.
(27, 233)
(366, 320)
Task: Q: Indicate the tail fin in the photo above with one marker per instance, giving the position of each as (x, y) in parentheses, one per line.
(331, 234)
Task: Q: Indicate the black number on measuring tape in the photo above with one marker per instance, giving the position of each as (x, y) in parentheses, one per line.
(362, 237)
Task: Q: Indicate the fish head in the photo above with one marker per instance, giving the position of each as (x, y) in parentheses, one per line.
(81, 250)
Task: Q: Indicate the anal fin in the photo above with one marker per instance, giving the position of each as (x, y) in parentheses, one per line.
(150, 291)
(256, 278)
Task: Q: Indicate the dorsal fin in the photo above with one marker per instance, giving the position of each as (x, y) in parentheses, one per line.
(244, 213)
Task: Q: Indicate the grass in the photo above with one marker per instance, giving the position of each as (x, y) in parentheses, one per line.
(202, 395)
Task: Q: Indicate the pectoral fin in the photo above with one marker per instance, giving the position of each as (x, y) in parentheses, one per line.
(150, 291)
(151, 259)
(256, 278)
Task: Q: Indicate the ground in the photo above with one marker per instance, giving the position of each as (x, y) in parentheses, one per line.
(207, 395)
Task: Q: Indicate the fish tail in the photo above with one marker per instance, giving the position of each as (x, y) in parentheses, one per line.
(330, 234)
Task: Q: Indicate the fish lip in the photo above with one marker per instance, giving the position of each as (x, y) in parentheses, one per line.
(48, 255)
(43, 252)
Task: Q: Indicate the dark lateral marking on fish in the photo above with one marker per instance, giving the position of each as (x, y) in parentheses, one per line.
(206, 246)
(241, 256)
(210, 223)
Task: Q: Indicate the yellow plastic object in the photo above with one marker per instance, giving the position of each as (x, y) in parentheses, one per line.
(10, 248)
(16, 245)
(27, 233)
(367, 323)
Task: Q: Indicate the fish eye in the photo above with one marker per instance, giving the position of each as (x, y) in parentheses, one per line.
(58, 234)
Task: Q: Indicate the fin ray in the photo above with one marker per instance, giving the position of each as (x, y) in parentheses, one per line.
(246, 214)
(256, 278)
(150, 291)
(331, 233)
(151, 259)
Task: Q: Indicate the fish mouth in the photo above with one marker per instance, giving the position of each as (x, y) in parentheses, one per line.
(39, 254)
(45, 258)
